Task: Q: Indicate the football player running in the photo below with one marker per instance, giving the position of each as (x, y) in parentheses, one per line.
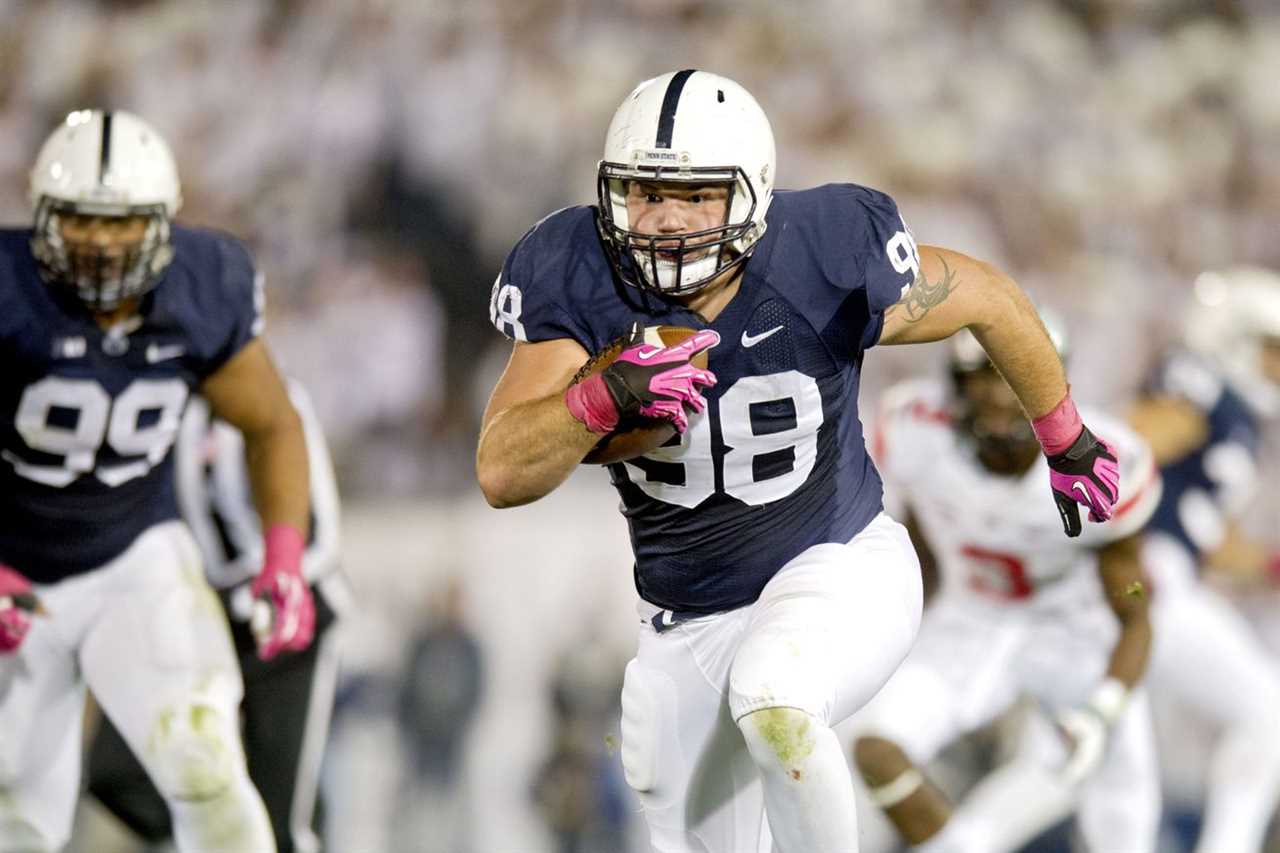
(288, 700)
(777, 597)
(1202, 413)
(110, 316)
(1019, 612)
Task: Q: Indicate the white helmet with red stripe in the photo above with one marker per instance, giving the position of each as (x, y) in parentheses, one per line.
(692, 127)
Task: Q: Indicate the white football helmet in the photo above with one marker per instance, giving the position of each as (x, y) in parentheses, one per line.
(1234, 312)
(110, 164)
(698, 128)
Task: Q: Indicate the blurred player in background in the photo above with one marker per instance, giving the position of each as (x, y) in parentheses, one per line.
(1020, 612)
(1202, 413)
(110, 317)
(777, 596)
(287, 700)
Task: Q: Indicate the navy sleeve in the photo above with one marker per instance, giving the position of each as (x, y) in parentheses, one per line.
(861, 239)
(231, 303)
(890, 259)
(526, 302)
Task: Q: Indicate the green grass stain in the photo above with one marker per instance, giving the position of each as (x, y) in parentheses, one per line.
(789, 740)
(218, 816)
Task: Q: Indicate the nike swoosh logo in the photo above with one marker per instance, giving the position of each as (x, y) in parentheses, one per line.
(645, 355)
(1085, 498)
(752, 340)
(155, 352)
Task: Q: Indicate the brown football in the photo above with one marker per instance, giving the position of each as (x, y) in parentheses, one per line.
(637, 441)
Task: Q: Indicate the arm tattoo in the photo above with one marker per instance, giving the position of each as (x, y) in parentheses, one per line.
(924, 295)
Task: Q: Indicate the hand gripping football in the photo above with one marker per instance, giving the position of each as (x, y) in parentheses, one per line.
(635, 438)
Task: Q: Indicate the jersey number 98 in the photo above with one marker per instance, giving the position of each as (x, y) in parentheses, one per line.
(756, 467)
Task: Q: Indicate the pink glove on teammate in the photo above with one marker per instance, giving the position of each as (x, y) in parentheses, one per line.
(1083, 469)
(644, 381)
(17, 603)
(285, 618)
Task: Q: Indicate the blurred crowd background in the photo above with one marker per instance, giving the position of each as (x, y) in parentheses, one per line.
(382, 157)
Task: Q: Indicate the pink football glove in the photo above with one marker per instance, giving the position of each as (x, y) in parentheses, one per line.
(285, 616)
(645, 381)
(1083, 469)
(17, 603)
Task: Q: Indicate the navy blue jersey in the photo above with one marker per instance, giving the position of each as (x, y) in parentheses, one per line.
(88, 417)
(1209, 486)
(777, 463)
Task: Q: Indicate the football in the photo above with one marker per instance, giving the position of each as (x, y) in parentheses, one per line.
(632, 440)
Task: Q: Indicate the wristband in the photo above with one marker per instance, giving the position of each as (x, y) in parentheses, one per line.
(1060, 427)
(888, 795)
(591, 403)
(283, 546)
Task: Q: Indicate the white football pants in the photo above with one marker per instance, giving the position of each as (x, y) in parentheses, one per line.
(826, 633)
(1206, 657)
(970, 665)
(148, 636)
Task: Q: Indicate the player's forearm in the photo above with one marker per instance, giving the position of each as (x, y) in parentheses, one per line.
(1239, 557)
(1132, 649)
(279, 472)
(529, 449)
(1010, 330)
(1120, 570)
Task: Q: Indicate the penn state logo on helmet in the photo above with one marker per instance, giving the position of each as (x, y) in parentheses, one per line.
(104, 164)
(695, 128)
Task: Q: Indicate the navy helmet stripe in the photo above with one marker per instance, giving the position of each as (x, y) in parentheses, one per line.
(104, 151)
(667, 119)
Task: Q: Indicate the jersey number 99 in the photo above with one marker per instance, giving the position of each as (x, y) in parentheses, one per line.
(74, 418)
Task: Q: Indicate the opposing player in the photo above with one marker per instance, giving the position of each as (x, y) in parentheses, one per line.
(1202, 413)
(1019, 612)
(287, 700)
(110, 316)
(777, 597)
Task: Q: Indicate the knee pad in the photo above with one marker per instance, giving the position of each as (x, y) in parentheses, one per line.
(192, 753)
